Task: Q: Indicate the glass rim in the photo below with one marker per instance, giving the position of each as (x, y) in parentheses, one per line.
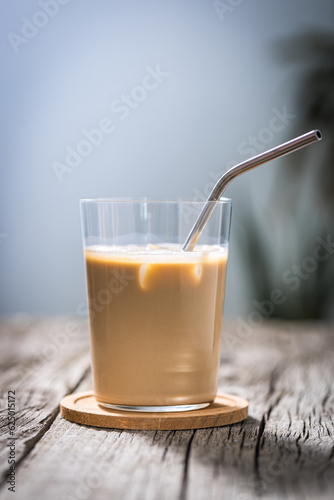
(153, 200)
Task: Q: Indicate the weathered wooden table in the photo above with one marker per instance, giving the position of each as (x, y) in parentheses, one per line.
(285, 449)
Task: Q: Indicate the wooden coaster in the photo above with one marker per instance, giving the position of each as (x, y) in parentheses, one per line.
(83, 408)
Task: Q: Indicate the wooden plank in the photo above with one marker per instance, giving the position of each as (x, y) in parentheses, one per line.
(286, 449)
(41, 360)
(283, 450)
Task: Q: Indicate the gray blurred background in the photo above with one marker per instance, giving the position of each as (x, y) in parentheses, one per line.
(181, 92)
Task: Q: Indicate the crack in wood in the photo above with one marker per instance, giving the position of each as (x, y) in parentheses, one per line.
(298, 405)
(299, 451)
(154, 436)
(328, 431)
(331, 456)
(170, 435)
(209, 435)
(274, 404)
(257, 483)
(290, 420)
(183, 493)
(258, 442)
(326, 397)
(307, 436)
(320, 422)
(275, 374)
(242, 441)
(263, 440)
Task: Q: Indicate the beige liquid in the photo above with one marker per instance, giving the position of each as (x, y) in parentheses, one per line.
(155, 321)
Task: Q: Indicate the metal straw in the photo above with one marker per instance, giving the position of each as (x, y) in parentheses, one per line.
(224, 181)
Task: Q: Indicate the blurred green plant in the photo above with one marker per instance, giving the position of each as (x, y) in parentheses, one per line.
(303, 196)
(315, 100)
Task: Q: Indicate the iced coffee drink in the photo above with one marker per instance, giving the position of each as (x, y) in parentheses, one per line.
(155, 322)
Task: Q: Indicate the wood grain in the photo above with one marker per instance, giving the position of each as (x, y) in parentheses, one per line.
(41, 360)
(283, 450)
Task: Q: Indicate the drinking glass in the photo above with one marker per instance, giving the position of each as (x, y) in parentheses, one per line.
(155, 311)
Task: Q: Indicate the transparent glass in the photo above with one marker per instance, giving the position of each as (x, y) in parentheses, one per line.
(155, 311)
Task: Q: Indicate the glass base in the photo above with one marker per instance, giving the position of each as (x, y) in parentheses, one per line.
(156, 408)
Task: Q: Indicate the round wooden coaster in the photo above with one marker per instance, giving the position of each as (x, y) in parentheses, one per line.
(83, 408)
